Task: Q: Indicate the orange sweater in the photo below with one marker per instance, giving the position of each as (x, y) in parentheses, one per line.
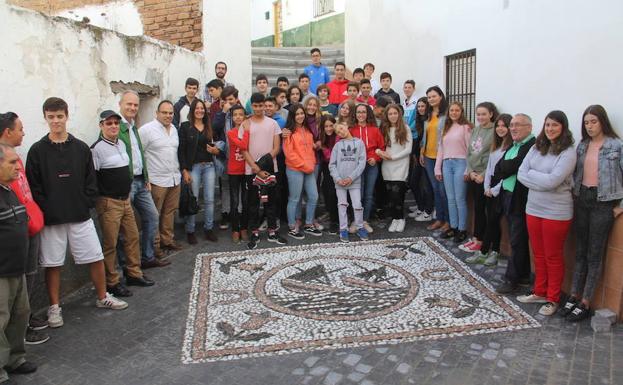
(299, 151)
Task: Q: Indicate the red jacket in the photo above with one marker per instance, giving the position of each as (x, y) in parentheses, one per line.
(235, 161)
(21, 188)
(371, 137)
(337, 91)
(370, 101)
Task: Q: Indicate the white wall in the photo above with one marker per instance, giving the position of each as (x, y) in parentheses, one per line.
(57, 57)
(227, 38)
(260, 27)
(119, 16)
(532, 56)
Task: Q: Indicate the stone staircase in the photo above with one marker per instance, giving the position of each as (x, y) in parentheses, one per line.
(289, 62)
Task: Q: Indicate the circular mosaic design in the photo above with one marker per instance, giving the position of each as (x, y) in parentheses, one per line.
(336, 288)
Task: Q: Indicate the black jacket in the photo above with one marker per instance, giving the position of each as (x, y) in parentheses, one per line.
(506, 168)
(177, 107)
(13, 234)
(187, 148)
(62, 179)
(391, 94)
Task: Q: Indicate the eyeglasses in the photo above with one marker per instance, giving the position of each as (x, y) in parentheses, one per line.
(518, 125)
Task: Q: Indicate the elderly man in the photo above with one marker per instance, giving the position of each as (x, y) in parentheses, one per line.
(14, 308)
(514, 197)
(160, 142)
(140, 193)
(114, 210)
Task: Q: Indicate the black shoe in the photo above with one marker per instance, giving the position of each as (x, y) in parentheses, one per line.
(312, 230)
(25, 368)
(568, 307)
(210, 236)
(507, 287)
(139, 281)
(119, 291)
(296, 234)
(460, 236)
(36, 323)
(276, 238)
(450, 233)
(334, 228)
(254, 239)
(224, 223)
(192, 238)
(35, 337)
(579, 313)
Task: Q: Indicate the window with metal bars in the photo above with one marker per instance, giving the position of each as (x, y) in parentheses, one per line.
(461, 80)
(322, 7)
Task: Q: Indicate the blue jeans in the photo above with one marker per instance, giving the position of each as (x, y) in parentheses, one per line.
(439, 191)
(368, 180)
(453, 171)
(203, 174)
(143, 203)
(299, 207)
(297, 181)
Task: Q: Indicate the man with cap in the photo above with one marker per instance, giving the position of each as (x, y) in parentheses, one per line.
(113, 206)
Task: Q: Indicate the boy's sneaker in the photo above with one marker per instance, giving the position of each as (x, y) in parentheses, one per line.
(55, 316)
(424, 217)
(579, 313)
(477, 257)
(36, 323)
(532, 298)
(362, 233)
(274, 237)
(110, 302)
(313, 230)
(254, 239)
(492, 258)
(35, 337)
(296, 234)
(353, 228)
(334, 228)
(392, 226)
(548, 309)
(344, 236)
(400, 226)
(368, 228)
(568, 307)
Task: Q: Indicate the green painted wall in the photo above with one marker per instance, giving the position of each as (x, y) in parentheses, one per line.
(329, 31)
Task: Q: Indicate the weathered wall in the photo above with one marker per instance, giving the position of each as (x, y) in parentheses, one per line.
(119, 16)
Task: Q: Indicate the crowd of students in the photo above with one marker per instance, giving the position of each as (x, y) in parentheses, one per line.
(353, 141)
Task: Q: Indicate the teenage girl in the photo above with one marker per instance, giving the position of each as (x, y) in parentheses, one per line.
(418, 181)
(327, 141)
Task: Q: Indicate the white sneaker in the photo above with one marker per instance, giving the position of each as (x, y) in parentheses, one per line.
(531, 298)
(392, 226)
(353, 228)
(368, 228)
(414, 208)
(110, 302)
(414, 214)
(400, 227)
(423, 217)
(548, 309)
(55, 316)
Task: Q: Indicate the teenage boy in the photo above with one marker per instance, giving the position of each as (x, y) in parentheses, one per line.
(261, 85)
(160, 141)
(114, 210)
(62, 179)
(140, 193)
(365, 89)
(271, 108)
(352, 91)
(11, 134)
(220, 70)
(280, 96)
(14, 308)
(283, 83)
(358, 75)
(215, 88)
(379, 108)
(181, 108)
(323, 96)
(409, 106)
(386, 88)
(304, 86)
(318, 73)
(368, 70)
(263, 139)
(338, 85)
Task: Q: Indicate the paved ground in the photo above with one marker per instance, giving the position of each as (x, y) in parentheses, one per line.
(142, 345)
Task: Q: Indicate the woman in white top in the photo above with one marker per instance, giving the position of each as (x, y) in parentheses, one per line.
(395, 166)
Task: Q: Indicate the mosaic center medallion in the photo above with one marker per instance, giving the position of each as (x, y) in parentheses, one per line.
(289, 299)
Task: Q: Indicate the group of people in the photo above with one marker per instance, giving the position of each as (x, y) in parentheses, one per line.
(355, 140)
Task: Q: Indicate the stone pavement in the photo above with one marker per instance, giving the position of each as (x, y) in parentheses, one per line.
(143, 345)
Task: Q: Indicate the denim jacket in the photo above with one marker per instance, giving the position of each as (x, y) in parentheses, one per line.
(442, 121)
(610, 186)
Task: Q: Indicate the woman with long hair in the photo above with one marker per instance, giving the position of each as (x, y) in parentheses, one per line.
(451, 168)
(428, 157)
(346, 113)
(197, 152)
(547, 172)
(418, 181)
(328, 138)
(395, 165)
(294, 96)
(598, 190)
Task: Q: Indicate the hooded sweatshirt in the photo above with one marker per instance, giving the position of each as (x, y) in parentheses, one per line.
(337, 91)
(62, 179)
(299, 151)
(479, 149)
(372, 139)
(393, 95)
(348, 160)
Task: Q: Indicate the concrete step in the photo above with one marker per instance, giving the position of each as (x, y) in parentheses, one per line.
(269, 61)
(295, 51)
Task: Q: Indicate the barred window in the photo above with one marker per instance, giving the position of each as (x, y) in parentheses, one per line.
(322, 7)
(461, 80)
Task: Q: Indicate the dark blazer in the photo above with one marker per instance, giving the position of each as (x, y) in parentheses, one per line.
(505, 168)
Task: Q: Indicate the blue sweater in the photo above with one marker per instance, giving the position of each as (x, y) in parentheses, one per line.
(317, 75)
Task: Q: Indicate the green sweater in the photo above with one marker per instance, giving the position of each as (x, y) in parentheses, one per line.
(479, 148)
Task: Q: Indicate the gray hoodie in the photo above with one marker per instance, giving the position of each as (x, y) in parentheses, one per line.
(348, 160)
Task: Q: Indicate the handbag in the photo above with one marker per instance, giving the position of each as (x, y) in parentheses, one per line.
(188, 201)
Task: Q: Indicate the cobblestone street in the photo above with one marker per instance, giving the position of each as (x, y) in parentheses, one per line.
(143, 345)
